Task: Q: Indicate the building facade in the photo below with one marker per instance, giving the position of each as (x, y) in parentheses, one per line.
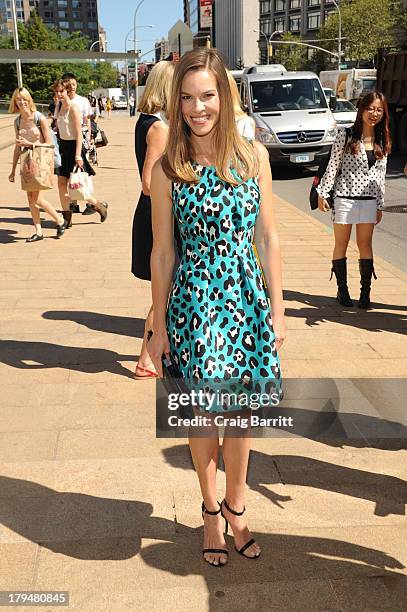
(72, 16)
(301, 17)
(199, 17)
(235, 25)
(23, 11)
(162, 49)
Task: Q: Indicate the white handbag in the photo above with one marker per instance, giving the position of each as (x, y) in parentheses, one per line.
(80, 185)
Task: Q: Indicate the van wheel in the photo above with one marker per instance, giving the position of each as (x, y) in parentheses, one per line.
(402, 134)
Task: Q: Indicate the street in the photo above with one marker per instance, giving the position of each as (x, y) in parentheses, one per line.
(390, 238)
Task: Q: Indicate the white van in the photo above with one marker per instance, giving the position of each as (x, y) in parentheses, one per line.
(292, 116)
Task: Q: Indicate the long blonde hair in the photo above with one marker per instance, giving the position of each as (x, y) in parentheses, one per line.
(157, 92)
(233, 153)
(236, 99)
(24, 93)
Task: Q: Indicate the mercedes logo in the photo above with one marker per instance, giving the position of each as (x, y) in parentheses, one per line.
(301, 137)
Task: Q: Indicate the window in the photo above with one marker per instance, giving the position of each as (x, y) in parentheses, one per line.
(279, 24)
(314, 2)
(62, 4)
(76, 4)
(265, 6)
(76, 14)
(295, 24)
(91, 3)
(295, 4)
(78, 25)
(92, 25)
(265, 26)
(62, 15)
(314, 21)
(49, 15)
(64, 25)
(285, 94)
(280, 5)
(92, 15)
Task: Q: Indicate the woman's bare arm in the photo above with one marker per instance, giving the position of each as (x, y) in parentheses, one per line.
(162, 261)
(45, 131)
(156, 143)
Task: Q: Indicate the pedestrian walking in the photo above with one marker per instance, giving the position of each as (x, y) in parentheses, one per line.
(108, 107)
(131, 106)
(150, 141)
(31, 128)
(214, 319)
(356, 175)
(69, 123)
(100, 104)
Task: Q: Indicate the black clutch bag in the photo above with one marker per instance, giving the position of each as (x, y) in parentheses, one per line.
(174, 382)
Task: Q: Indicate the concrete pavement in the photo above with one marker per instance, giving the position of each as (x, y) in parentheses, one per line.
(92, 503)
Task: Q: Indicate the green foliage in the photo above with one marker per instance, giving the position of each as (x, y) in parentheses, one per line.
(366, 25)
(38, 78)
(293, 57)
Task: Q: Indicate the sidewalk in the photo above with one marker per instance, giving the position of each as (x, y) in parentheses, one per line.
(92, 503)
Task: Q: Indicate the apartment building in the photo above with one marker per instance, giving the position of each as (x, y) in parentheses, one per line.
(23, 11)
(302, 17)
(72, 16)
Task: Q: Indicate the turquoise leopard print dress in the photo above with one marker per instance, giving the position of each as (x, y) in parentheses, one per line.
(218, 317)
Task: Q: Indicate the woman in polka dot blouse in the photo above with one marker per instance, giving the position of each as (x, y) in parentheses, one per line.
(356, 174)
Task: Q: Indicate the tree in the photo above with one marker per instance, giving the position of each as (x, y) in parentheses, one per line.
(366, 25)
(38, 78)
(293, 57)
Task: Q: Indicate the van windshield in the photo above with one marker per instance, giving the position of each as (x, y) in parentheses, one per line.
(284, 95)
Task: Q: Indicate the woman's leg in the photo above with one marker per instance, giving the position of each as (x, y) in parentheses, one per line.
(101, 207)
(63, 193)
(49, 209)
(204, 446)
(342, 232)
(144, 359)
(364, 238)
(32, 197)
(236, 450)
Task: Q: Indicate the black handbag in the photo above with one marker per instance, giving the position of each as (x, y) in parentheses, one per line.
(101, 139)
(323, 164)
(174, 382)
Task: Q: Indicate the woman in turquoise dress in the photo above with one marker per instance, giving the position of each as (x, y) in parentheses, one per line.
(214, 317)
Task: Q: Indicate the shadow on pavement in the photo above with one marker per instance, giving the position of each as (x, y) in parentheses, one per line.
(295, 569)
(112, 324)
(28, 355)
(324, 308)
(9, 236)
(388, 493)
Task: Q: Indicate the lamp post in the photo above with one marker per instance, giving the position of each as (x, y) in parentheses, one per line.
(127, 62)
(16, 43)
(136, 51)
(268, 41)
(336, 3)
(97, 42)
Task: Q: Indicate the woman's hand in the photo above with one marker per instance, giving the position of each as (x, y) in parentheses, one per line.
(79, 163)
(23, 142)
(379, 216)
(157, 346)
(279, 328)
(323, 204)
(11, 177)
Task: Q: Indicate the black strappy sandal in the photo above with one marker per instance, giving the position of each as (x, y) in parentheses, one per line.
(243, 549)
(221, 551)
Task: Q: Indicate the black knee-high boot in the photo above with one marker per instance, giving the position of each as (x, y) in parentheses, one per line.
(366, 270)
(339, 269)
(67, 215)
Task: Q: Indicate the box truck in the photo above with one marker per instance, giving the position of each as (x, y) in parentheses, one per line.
(392, 82)
(349, 84)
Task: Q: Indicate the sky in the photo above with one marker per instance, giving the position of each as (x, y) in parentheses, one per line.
(116, 16)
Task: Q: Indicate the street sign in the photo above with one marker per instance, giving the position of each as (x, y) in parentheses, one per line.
(343, 66)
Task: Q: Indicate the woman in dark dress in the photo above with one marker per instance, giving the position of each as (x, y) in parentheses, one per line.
(150, 141)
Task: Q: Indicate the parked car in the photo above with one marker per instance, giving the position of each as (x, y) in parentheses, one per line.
(345, 113)
(291, 113)
(120, 102)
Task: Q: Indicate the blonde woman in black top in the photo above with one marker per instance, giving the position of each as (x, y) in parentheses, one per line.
(356, 172)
